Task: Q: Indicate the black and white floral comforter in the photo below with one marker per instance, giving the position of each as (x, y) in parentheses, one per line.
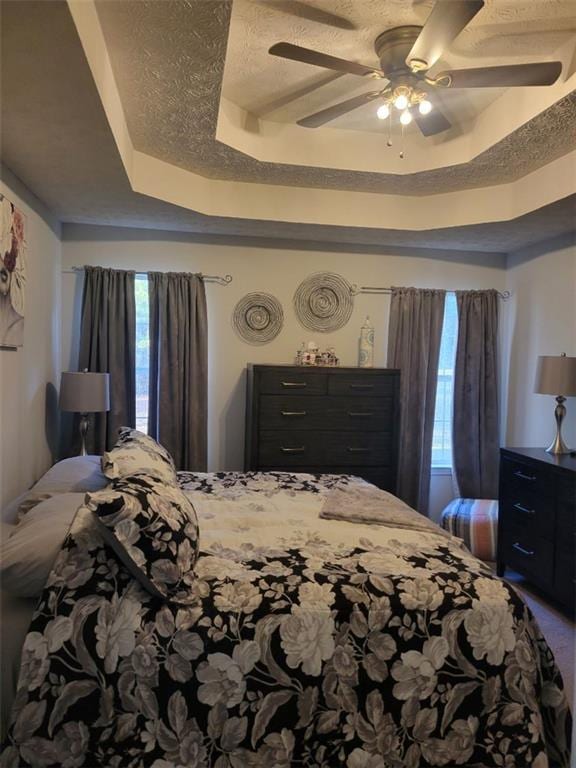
(313, 643)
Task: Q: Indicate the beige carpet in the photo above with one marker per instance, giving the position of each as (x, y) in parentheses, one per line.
(557, 627)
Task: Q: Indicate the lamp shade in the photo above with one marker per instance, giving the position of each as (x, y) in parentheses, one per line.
(85, 392)
(556, 375)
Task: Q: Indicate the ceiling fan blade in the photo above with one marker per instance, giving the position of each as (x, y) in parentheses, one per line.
(432, 123)
(309, 12)
(308, 56)
(331, 113)
(510, 76)
(445, 22)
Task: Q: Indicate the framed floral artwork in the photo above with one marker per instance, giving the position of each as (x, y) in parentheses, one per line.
(12, 273)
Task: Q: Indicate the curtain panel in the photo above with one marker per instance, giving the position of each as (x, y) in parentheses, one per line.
(475, 424)
(178, 405)
(108, 345)
(414, 335)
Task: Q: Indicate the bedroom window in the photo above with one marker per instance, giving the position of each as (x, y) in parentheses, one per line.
(442, 436)
(142, 351)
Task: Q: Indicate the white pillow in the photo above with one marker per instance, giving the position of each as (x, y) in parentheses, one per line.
(79, 473)
(28, 552)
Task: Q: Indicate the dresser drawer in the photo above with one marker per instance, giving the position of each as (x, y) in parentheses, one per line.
(297, 448)
(292, 412)
(527, 510)
(294, 448)
(372, 414)
(293, 380)
(358, 385)
(565, 577)
(566, 513)
(531, 478)
(528, 554)
(358, 448)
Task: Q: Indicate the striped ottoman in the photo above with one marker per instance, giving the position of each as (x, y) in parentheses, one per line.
(476, 522)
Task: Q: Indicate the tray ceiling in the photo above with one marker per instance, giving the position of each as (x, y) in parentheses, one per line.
(57, 139)
(170, 58)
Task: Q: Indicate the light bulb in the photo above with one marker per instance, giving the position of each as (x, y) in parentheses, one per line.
(405, 117)
(401, 101)
(383, 111)
(425, 107)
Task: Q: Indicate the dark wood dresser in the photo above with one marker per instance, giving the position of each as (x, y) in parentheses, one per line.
(336, 420)
(537, 519)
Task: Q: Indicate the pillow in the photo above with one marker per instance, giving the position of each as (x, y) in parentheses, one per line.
(28, 550)
(136, 452)
(153, 529)
(79, 473)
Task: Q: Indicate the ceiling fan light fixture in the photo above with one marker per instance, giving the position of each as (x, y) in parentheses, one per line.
(401, 101)
(406, 117)
(383, 112)
(425, 107)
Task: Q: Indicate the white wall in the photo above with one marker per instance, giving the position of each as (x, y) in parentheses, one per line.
(541, 321)
(29, 375)
(263, 267)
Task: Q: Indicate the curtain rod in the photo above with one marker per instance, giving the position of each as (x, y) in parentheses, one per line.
(504, 295)
(226, 280)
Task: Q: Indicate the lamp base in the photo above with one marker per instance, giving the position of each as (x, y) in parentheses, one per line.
(83, 432)
(558, 447)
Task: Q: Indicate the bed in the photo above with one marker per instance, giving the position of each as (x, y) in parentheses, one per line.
(327, 626)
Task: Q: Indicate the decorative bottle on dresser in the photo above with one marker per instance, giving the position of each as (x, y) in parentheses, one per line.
(366, 356)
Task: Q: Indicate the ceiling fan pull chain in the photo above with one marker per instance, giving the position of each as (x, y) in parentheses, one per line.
(389, 142)
(401, 141)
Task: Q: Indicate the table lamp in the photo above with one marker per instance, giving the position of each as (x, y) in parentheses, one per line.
(84, 393)
(556, 375)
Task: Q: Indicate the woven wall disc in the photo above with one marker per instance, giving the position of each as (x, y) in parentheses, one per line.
(258, 318)
(324, 302)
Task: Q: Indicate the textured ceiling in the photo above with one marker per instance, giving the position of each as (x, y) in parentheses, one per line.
(56, 139)
(168, 59)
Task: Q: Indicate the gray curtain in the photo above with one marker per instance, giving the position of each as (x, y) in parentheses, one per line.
(475, 423)
(108, 345)
(178, 408)
(414, 334)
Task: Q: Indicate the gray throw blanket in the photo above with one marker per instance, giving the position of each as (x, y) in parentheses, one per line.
(362, 502)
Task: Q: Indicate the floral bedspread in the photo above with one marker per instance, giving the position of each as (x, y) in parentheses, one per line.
(313, 643)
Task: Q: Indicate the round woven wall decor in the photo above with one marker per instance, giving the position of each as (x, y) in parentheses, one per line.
(323, 302)
(258, 318)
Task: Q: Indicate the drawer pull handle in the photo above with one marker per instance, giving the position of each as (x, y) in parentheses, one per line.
(360, 414)
(300, 449)
(361, 386)
(523, 476)
(519, 548)
(523, 509)
(293, 413)
(358, 450)
(294, 384)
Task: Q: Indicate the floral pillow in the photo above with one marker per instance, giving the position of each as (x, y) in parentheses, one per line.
(136, 452)
(153, 529)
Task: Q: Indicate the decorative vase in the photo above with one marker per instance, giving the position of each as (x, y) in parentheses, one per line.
(366, 352)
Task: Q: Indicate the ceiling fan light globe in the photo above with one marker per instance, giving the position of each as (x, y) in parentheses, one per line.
(401, 101)
(406, 117)
(383, 111)
(425, 107)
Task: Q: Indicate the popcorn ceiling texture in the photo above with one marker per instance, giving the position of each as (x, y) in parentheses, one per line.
(168, 59)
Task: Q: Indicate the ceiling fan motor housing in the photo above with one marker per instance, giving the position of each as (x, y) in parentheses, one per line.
(392, 48)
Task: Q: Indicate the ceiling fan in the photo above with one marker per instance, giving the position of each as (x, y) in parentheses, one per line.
(406, 55)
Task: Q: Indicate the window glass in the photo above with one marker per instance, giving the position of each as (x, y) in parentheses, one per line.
(442, 437)
(142, 352)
